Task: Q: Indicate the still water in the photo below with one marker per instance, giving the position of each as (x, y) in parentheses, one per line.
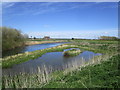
(56, 60)
(30, 48)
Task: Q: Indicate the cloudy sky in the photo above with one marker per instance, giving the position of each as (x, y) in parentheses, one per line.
(62, 19)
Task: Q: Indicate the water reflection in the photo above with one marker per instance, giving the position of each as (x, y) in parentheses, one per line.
(30, 48)
(54, 59)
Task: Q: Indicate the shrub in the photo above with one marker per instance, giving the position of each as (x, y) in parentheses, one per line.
(12, 38)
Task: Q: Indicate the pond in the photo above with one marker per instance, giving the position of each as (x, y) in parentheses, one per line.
(30, 48)
(55, 60)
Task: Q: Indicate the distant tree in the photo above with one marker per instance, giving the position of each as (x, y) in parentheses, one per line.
(34, 37)
(72, 38)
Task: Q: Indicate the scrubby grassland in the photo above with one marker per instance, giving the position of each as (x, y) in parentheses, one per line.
(100, 72)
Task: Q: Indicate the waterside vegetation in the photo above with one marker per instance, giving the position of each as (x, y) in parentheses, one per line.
(72, 52)
(33, 42)
(105, 47)
(22, 57)
(99, 72)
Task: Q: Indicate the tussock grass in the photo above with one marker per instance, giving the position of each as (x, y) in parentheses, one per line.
(73, 52)
(27, 81)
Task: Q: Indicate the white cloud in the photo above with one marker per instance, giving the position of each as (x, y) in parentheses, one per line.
(77, 34)
(45, 7)
(43, 11)
(28, 8)
(7, 4)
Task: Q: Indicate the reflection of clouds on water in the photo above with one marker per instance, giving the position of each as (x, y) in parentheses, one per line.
(56, 60)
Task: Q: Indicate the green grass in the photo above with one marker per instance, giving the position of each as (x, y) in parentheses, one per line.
(105, 47)
(102, 75)
(100, 72)
(17, 59)
(72, 52)
(98, 46)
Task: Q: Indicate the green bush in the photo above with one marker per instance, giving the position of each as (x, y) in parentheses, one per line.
(12, 38)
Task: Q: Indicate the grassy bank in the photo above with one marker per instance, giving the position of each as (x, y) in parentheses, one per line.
(103, 75)
(90, 75)
(100, 72)
(101, 46)
(33, 42)
(22, 57)
(104, 47)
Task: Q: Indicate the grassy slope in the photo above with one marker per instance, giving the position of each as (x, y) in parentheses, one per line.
(103, 75)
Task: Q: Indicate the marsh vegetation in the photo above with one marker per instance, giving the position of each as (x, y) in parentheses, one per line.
(100, 71)
(72, 52)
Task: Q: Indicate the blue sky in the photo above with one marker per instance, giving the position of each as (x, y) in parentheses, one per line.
(62, 19)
